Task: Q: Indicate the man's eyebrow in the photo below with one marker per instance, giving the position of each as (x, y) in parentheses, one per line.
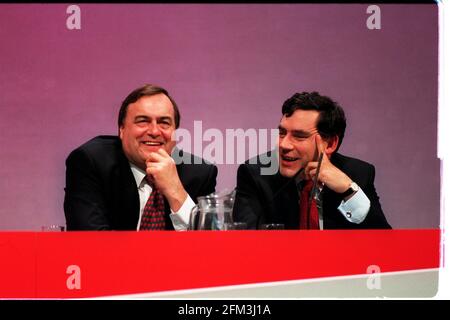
(296, 132)
(144, 117)
(165, 118)
(141, 117)
(300, 132)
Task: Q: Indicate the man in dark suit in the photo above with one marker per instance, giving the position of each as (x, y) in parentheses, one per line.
(109, 179)
(345, 197)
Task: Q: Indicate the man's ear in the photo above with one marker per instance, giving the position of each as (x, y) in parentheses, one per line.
(331, 145)
(120, 132)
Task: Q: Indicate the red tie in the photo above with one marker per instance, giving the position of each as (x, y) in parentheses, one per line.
(153, 215)
(311, 221)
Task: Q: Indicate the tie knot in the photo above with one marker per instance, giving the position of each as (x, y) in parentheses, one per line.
(309, 214)
(307, 185)
(150, 181)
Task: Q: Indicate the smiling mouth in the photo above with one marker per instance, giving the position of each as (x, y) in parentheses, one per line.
(152, 143)
(289, 159)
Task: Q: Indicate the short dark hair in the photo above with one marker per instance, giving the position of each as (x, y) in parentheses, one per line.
(331, 120)
(146, 90)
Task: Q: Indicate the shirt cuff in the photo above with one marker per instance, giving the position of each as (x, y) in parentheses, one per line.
(180, 219)
(356, 208)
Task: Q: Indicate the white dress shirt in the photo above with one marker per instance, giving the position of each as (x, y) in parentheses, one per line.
(180, 219)
(354, 209)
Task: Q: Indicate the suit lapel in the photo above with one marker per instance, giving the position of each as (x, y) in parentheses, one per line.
(286, 201)
(128, 193)
(332, 217)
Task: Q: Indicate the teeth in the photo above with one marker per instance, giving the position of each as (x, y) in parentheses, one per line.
(289, 158)
(152, 143)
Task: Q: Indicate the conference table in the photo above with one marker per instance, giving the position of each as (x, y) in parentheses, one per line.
(219, 264)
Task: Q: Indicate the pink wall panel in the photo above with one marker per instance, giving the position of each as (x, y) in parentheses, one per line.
(230, 66)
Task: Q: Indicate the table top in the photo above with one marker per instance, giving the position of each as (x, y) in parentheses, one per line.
(93, 264)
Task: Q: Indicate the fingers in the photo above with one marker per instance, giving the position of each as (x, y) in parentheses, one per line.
(310, 170)
(163, 152)
(158, 162)
(312, 174)
(152, 168)
(158, 156)
(319, 143)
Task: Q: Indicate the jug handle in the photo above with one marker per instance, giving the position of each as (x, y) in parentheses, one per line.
(194, 213)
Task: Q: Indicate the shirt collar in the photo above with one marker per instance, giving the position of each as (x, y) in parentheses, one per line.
(138, 175)
(299, 180)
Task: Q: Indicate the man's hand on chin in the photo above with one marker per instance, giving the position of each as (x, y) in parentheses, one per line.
(161, 166)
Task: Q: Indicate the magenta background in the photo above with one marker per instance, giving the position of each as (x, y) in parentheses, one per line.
(231, 66)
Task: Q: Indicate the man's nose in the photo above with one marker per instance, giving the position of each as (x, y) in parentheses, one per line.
(285, 143)
(153, 130)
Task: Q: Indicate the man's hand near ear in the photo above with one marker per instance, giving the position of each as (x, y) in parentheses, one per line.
(329, 175)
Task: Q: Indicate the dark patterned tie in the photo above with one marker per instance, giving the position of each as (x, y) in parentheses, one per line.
(153, 215)
(310, 221)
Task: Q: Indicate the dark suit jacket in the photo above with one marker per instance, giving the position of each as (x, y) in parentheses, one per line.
(101, 192)
(274, 199)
